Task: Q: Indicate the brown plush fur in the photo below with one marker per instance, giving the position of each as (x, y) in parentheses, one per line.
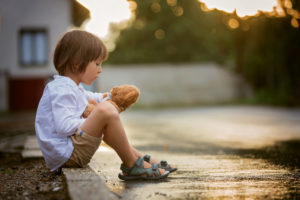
(121, 97)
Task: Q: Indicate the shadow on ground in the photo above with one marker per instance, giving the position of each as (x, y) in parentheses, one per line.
(284, 153)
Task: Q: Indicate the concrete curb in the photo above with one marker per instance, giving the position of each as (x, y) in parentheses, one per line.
(31, 148)
(14, 144)
(86, 184)
(83, 183)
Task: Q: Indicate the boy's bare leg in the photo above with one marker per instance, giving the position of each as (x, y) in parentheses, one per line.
(106, 117)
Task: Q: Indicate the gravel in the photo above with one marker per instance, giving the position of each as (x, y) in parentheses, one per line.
(29, 179)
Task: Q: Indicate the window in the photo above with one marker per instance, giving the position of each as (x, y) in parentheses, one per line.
(33, 47)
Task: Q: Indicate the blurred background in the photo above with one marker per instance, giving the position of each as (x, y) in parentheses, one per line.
(178, 52)
(199, 64)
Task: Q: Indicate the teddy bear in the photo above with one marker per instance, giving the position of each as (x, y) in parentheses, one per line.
(120, 96)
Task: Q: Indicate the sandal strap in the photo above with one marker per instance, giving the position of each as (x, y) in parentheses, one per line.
(139, 163)
(147, 158)
(151, 171)
(155, 170)
(125, 169)
(164, 163)
(138, 169)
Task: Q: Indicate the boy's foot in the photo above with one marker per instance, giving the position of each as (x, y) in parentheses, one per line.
(142, 170)
(149, 165)
(163, 164)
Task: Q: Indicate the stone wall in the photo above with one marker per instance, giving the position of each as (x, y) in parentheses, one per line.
(165, 84)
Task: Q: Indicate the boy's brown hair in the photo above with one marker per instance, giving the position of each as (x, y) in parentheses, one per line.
(76, 49)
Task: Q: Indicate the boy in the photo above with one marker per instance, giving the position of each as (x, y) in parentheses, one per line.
(65, 137)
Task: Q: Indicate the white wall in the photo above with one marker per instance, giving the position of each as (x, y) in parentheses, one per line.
(180, 84)
(54, 15)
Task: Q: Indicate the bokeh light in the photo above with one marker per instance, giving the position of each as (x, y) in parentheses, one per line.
(243, 7)
(233, 23)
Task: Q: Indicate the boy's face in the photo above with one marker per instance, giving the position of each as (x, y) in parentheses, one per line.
(91, 72)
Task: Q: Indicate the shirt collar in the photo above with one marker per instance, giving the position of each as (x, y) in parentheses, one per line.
(66, 79)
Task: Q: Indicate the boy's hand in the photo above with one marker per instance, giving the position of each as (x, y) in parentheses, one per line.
(89, 108)
(105, 95)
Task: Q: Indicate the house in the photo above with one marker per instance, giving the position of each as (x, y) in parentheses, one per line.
(29, 31)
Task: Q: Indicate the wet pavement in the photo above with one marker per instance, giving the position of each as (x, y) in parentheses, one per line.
(221, 152)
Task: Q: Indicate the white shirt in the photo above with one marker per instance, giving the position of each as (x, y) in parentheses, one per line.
(59, 116)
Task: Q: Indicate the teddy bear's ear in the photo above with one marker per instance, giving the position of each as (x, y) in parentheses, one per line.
(114, 90)
(132, 96)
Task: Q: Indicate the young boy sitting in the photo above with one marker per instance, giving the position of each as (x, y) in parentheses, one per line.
(66, 138)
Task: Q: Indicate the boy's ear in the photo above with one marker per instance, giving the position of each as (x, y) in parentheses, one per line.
(75, 68)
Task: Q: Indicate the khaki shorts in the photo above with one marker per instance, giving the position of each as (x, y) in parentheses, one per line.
(85, 147)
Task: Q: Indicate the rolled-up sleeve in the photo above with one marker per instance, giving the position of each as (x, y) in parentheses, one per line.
(65, 114)
(94, 95)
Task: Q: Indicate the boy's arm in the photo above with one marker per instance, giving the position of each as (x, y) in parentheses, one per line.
(64, 109)
(95, 95)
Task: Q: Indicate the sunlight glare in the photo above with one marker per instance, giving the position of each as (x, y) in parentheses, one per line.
(243, 7)
(103, 13)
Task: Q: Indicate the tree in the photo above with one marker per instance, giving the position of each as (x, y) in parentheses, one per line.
(174, 31)
(265, 49)
(271, 61)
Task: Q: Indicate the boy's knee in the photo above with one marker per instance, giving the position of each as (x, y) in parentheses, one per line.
(107, 109)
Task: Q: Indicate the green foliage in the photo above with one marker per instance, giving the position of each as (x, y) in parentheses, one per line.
(191, 37)
(271, 61)
(265, 50)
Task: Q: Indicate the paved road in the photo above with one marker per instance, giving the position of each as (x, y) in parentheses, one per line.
(221, 152)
